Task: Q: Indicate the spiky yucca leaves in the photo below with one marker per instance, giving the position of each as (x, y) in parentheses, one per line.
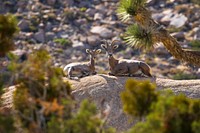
(138, 37)
(154, 32)
(129, 8)
(8, 28)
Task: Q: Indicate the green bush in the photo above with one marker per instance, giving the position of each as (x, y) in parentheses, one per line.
(184, 76)
(195, 44)
(43, 101)
(168, 113)
(8, 28)
(138, 97)
(83, 9)
(195, 2)
(63, 42)
(6, 121)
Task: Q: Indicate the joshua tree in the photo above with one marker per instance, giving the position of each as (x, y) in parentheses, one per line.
(146, 32)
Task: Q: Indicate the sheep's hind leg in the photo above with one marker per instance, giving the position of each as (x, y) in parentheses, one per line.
(111, 74)
(70, 74)
(84, 74)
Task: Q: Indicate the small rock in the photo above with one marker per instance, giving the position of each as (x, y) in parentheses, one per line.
(24, 25)
(80, 22)
(48, 26)
(35, 7)
(84, 4)
(90, 12)
(101, 8)
(51, 2)
(82, 38)
(93, 40)
(78, 45)
(197, 35)
(161, 51)
(29, 35)
(39, 36)
(49, 36)
(157, 16)
(167, 14)
(67, 3)
(172, 60)
(178, 20)
(21, 4)
(178, 35)
(98, 16)
(102, 31)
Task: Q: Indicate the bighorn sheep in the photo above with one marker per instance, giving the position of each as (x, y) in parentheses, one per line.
(82, 69)
(124, 67)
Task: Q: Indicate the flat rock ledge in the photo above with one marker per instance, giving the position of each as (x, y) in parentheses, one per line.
(98, 88)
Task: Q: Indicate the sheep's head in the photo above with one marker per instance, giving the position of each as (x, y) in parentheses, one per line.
(109, 47)
(93, 52)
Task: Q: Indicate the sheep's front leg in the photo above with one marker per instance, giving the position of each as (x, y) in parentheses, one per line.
(85, 73)
(120, 71)
(94, 73)
(111, 73)
(70, 74)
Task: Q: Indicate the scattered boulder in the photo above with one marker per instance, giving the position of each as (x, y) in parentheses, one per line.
(24, 25)
(40, 36)
(51, 2)
(102, 31)
(49, 36)
(93, 40)
(178, 20)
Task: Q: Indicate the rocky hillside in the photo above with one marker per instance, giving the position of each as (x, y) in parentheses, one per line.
(67, 27)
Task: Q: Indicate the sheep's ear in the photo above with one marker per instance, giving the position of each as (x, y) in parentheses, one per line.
(115, 46)
(98, 51)
(103, 46)
(87, 51)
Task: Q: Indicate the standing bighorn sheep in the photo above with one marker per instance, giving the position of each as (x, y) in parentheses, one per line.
(82, 69)
(124, 67)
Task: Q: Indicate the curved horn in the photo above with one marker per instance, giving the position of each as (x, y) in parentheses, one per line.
(114, 41)
(106, 42)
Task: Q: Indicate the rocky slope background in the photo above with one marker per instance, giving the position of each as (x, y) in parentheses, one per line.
(67, 27)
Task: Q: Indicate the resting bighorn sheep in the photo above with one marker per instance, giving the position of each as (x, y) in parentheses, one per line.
(82, 69)
(124, 67)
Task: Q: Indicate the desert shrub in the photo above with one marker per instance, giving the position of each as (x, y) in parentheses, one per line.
(138, 97)
(6, 121)
(83, 9)
(195, 44)
(63, 42)
(168, 113)
(43, 101)
(195, 2)
(8, 28)
(184, 76)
